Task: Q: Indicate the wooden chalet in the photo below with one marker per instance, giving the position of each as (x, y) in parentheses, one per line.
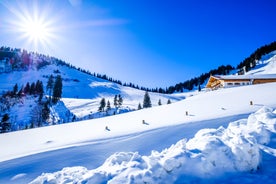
(226, 81)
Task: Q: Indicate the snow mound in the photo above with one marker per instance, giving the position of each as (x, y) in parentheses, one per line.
(210, 154)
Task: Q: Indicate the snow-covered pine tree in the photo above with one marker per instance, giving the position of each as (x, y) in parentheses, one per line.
(147, 101)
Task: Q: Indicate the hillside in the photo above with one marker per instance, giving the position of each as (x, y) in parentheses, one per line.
(207, 137)
(81, 94)
(266, 65)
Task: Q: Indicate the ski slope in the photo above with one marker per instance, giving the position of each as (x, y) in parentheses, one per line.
(129, 134)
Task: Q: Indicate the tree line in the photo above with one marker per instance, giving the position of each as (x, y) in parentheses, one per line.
(250, 62)
(117, 102)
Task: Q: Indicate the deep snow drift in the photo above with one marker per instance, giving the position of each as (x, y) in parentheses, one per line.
(210, 154)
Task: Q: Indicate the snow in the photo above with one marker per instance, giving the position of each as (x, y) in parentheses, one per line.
(199, 108)
(209, 154)
(208, 137)
(82, 92)
(266, 65)
(247, 76)
(205, 110)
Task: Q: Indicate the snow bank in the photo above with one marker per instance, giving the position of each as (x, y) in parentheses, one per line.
(211, 153)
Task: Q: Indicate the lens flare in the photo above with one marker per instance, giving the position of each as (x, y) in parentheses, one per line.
(34, 25)
(36, 30)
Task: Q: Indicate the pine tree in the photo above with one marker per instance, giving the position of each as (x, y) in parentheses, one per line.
(159, 102)
(120, 101)
(27, 88)
(20, 92)
(147, 101)
(74, 118)
(5, 124)
(45, 112)
(102, 105)
(32, 89)
(139, 106)
(39, 87)
(116, 101)
(199, 88)
(57, 89)
(108, 107)
(50, 85)
(36, 116)
(169, 101)
(15, 89)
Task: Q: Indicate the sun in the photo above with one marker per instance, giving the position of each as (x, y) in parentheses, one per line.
(34, 24)
(36, 31)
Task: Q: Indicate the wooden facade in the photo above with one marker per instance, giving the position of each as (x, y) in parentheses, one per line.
(221, 81)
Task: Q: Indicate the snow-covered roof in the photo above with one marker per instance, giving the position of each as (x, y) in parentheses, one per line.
(237, 77)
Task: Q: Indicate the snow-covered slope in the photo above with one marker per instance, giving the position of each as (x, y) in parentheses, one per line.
(176, 143)
(207, 107)
(81, 94)
(266, 65)
(76, 84)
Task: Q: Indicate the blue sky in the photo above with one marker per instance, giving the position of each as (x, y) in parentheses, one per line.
(152, 43)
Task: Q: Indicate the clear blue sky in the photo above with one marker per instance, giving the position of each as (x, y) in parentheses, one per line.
(152, 43)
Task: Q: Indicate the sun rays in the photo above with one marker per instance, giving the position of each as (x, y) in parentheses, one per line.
(36, 31)
(35, 26)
